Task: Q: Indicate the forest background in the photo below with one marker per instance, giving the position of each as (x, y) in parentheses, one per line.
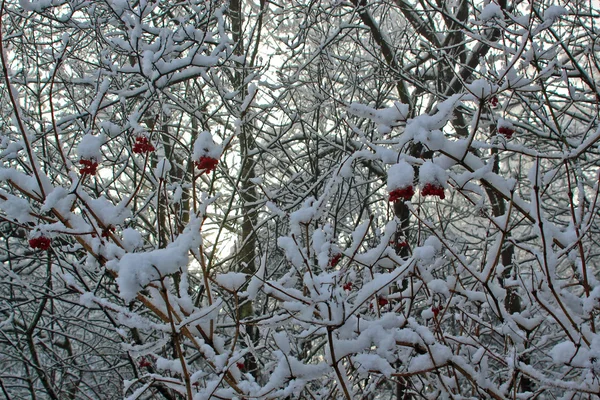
(253, 199)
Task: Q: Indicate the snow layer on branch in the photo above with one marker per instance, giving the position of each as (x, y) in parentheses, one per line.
(426, 129)
(162, 168)
(232, 281)
(106, 211)
(400, 175)
(89, 147)
(372, 362)
(36, 5)
(16, 208)
(554, 12)
(482, 88)
(280, 385)
(60, 199)
(256, 282)
(136, 270)
(132, 239)
(321, 243)
(490, 11)
(385, 118)
(432, 173)
(204, 146)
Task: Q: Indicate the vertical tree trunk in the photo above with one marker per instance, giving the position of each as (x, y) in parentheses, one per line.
(246, 256)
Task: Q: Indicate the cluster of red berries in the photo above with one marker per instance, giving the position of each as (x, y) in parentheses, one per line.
(494, 101)
(404, 193)
(335, 259)
(433, 190)
(89, 167)
(142, 145)
(506, 131)
(347, 286)
(41, 242)
(207, 164)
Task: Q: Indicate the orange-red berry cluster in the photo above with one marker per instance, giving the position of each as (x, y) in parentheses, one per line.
(42, 243)
(404, 193)
(433, 190)
(142, 145)
(207, 164)
(89, 167)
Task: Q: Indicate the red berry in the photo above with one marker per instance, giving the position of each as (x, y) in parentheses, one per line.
(106, 231)
(382, 301)
(402, 244)
(144, 363)
(506, 131)
(207, 164)
(41, 242)
(435, 311)
(404, 193)
(89, 167)
(347, 286)
(335, 260)
(142, 145)
(494, 101)
(433, 190)
(240, 365)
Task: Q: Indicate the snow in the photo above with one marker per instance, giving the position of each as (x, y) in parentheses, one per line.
(482, 88)
(132, 239)
(60, 199)
(162, 168)
(204, 146)
(554, 12)
(283, 343)
(372, 363)
(89, 147)
(399, 176)
(231, 281)
(432, 173)
(385, 118)
(136, 270)
(491, 10)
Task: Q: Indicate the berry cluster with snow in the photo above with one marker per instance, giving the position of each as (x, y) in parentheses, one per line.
(206, 152)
